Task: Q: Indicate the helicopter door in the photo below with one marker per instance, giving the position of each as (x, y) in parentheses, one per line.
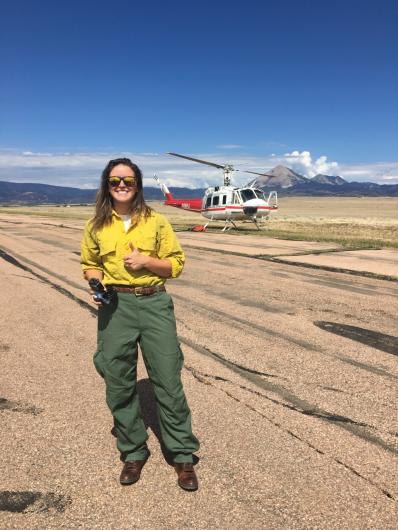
(236, 198)
(208, 202)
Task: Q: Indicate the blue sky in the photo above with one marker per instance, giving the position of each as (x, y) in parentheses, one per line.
(310, 84)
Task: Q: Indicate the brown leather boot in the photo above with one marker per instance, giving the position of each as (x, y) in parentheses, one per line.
(187, 479)
(131, 472)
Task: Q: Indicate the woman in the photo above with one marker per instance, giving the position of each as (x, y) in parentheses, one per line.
(132, 250)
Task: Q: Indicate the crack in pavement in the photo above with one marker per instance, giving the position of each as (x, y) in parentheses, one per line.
(330, 417)
(302, 406)
(13, 255)
(51, 242)
(326, 280)
(79, 228)
(246, 372)
(340, 270)
(246, 302)
(223, 360)
(343, 287)
(251, 375)
(302, 343)
(59, 288)
(308, 383)
(269, 258)
(289, 380)
(199, 376)
(206, 309)
(274, 259)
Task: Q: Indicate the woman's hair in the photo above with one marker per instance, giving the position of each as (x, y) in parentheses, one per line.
(104, 203)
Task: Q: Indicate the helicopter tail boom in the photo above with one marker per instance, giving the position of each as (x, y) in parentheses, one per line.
(193, 205)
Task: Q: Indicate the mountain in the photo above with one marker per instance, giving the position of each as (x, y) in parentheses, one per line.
(288, 182)
(282, 177)
(284, 180)
(328, 179)
(26, 193)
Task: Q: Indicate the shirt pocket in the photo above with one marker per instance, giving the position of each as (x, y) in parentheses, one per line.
(107, 247)
(147, 244)
(112, 260)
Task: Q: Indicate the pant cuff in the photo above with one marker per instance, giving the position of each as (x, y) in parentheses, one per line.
(132, 457)
(181, 459)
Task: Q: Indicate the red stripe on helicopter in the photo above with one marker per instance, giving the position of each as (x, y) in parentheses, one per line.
(237, 208)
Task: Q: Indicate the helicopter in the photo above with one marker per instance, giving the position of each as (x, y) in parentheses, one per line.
(226, 203)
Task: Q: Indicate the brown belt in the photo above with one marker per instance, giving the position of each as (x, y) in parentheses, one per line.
(138, 291)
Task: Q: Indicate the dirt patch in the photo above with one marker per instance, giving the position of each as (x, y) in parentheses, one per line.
(32, 501)
(14, 406)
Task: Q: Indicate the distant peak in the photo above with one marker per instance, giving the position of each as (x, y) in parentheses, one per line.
(329, 179)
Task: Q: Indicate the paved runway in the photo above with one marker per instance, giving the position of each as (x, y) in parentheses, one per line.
(329, 256)
(291, 374)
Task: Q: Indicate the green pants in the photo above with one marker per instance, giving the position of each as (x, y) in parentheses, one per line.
(150, 322)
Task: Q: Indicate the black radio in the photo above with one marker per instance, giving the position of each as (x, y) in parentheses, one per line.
(100, 293)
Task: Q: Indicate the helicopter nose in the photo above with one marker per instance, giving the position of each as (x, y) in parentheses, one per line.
(250, 210)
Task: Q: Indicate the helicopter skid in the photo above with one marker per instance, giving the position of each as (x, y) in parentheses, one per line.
(228, 225)
(227, 214)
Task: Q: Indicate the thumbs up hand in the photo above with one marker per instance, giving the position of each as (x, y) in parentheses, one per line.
(132, 247)
(135, 260)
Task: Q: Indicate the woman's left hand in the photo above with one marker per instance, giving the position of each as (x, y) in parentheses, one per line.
(135, 260)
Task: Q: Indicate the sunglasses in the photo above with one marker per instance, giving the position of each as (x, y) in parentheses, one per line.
(129, 182)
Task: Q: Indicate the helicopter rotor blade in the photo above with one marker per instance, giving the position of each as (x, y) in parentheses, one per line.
(219, 166)
(261, 174)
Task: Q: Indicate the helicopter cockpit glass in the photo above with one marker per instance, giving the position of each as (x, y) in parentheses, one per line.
(259, 194)
(248, 194)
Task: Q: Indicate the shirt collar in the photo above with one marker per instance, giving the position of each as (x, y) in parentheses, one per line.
(114, 213)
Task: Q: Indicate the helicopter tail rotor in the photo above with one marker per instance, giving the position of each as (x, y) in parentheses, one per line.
(163, 187)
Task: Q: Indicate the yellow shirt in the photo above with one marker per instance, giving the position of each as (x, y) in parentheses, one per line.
(105, 249)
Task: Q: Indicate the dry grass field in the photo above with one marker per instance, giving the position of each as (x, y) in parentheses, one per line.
(355, 222)
(352, 221)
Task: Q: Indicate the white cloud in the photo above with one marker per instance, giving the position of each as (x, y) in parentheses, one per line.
(83, 169)
(302, 163)
(380, 172)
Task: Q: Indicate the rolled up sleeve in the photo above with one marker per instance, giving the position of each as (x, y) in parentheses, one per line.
(90, 252)
(169, 247)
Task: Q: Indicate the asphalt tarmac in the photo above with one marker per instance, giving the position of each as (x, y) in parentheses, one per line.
(290, 372)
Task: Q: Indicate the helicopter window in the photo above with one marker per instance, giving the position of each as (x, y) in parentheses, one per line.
(208, 202)
(216, 200)
(224, 199)
(259, 194)
(247, 194)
